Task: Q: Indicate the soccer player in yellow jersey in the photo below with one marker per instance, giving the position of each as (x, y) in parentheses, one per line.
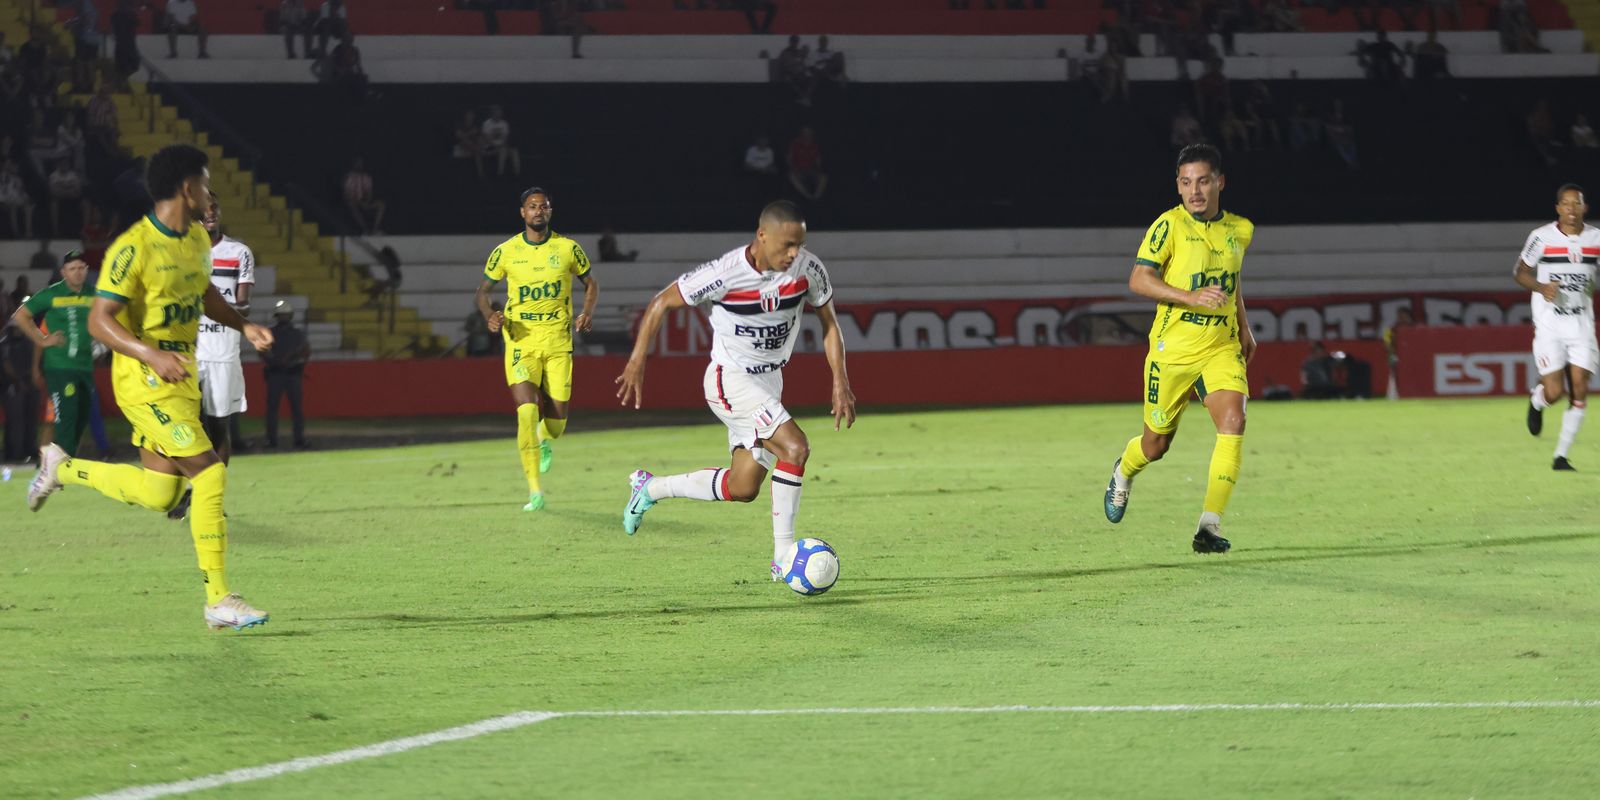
(153, 288)
(538, 266)
(1200, 342)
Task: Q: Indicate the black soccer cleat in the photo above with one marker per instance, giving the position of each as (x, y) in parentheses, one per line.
(1561, 464)
(1535, 419)
(180, 511)
(1205, 541)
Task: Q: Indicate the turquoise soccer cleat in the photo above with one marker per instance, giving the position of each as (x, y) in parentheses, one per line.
(638, 503)
(1117, 498)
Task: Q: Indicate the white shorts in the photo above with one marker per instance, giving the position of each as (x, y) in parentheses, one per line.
(221, 388)
(750, 405)
(1554, 353)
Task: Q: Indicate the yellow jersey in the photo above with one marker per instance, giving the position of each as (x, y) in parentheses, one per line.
(1191, 253)
(160, 276)
(538, 289)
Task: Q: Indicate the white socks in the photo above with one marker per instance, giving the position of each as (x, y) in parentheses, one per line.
(1571, 421)
(1209, 518)
(1537, 397)
(705, 484)
(786, 485)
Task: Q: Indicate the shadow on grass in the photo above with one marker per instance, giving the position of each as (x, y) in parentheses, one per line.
(1285, 555)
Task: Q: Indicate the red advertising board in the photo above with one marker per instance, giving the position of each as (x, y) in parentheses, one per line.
(1461, 361)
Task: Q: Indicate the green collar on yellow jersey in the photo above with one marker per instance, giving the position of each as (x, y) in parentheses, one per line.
(1200, 219)
(547, 239)
(165, 231)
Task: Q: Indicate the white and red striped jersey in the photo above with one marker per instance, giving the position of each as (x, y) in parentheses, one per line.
(232, 265)
(755, 315)
(1569, 262)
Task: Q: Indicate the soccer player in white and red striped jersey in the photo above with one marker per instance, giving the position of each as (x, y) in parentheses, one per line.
(1558, 266)
(216, 351)
(756, 293)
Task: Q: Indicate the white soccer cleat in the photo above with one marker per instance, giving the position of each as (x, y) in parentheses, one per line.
(777, 571)
(233, 612)
(45, 483)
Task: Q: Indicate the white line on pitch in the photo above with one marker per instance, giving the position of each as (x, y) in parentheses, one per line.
(525, 718)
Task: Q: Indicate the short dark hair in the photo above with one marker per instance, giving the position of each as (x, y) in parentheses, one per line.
(531, 191)
(171, 166)
(782, 211)
(1570, 187)
(1201, 152)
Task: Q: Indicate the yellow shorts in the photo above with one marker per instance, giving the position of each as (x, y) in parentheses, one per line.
(1168, 384)
(551, 372)
(168, 427)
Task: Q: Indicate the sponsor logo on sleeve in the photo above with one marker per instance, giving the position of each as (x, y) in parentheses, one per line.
(1158, 236)
(120, 264)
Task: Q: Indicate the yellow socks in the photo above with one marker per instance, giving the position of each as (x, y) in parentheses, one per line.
(528, 443)
(1225, 461)
(133, 485)
(1133, 460)
(210, 529)
(552, 428)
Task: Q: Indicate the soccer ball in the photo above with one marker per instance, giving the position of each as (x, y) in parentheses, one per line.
(810, 567)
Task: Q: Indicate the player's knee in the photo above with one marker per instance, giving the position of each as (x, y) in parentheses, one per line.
(744, 493)
(795, 452)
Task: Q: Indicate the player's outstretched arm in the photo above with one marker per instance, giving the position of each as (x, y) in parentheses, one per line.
(1146, 282)
(1247, 337)
(630, 384)
(491, 316)
(218, 308)
(1528, 278)
(591, 298)
(105, 329)
(844, 400)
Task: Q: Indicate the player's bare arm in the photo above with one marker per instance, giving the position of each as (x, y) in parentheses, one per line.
(1528, 278)
(630, 384)
(30, 328)
(494, 318)
(218, 308)
(1146, 282)
(844, 400)
(105, 329)
(591, 298)
(241, 298)
(1247, 337)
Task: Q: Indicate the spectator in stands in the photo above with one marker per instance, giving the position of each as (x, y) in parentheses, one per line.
(43, 260)
(70, 139)
(332, 23)
(1341, 136)
(825, 63)
(497, 142)
(13, 91)
(1583, 136)
(183, 16)
(16, 200)
(1110, 72)
(125, 34)
(1383, 62)
(791, 70)
(1278, 16)
(1211, 92)
(389, 282)
(1431, 59)
(1260, 118)
(805, 165)
(1185, 128)
(285, 363)
(21, 394)
(66, 186)
(22, 291)
(33, 58)
(295, 21)
(43, 147)
(1518, 32)
(348, 73)
(96, 237)
(1541, 129)
(1402, 319)
(750, 7)
(564, 18)
(102, 113)
(610, 250)
(360, 199)
(469, 140)
(479, 341)
(1305, 130)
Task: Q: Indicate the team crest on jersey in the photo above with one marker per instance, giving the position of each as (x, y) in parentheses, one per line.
(555, 261)
(770, 298)
(182, 434)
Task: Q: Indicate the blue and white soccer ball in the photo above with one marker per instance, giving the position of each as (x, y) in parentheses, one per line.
(810, 567)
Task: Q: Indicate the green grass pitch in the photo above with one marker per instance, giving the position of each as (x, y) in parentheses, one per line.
(1384, 552)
